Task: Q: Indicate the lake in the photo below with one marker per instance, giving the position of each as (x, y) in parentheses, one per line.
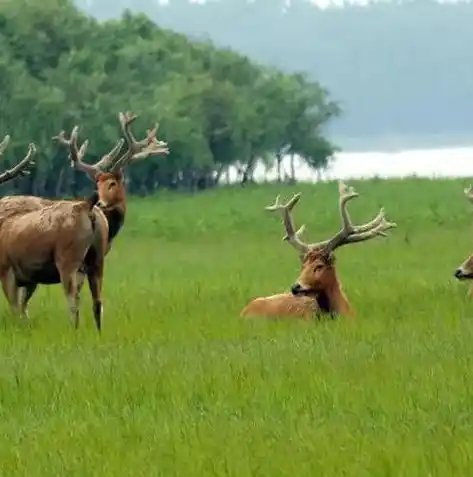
(431, 163)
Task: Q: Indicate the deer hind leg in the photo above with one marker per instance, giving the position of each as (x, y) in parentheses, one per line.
(69, 280)
(95, 285)
(25, 294)
(80, 278)
(10, 289)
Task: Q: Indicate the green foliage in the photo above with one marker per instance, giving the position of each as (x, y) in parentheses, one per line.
(178, 384)
(59, 67)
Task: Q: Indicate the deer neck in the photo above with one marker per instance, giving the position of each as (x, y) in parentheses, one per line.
(334, 298)
(115, 217)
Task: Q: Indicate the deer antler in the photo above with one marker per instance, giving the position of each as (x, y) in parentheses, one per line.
(138, 150)
(348, 234)
(76, 155)
(469, 193)
(22, 168)
(355, 233)
(285, 210)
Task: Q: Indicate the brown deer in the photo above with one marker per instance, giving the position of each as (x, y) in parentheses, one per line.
(465, 270)
(67, 245)
(317, 290)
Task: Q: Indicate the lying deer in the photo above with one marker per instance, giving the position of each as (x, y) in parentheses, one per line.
(65, 249)
(465, 270)
(318, 290)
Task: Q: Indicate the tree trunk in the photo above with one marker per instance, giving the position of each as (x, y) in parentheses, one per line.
(292, 169)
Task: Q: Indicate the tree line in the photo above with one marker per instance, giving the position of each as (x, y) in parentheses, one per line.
(216, 109)
(398, 68)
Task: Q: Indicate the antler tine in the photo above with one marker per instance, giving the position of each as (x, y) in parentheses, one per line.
(138, 150)
(292, 236)
(355, 233)
(76, 155)
(371, 224)
(379, 230)
(346, 194)
(21, 169)
(4, 144)
(469, 193)
(111, 157)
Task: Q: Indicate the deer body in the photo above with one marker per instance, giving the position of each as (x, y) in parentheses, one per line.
(465, 269)
(303, 302)
(282, 305)
(49, 246)
(317, 290)
(61, 231)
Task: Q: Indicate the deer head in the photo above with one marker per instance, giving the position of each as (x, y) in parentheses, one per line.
(318, 274)
(465, 270)
(107, 173)
(22, 168)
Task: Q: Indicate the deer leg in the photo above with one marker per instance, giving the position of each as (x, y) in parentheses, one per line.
(69, 282)
(10, 289)
(25, 295)
(470, 291)
(80, 278)
(95, 286)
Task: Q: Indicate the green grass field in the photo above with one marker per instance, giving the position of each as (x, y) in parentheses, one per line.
(179, 385)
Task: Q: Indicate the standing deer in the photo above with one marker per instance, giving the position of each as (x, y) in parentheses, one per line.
(317, 290)
(465, 270)
(64, 246)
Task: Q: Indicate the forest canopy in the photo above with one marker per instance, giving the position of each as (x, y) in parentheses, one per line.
(60, 67)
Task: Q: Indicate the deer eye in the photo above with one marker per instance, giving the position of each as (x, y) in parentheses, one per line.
(318, 267)
(112, 184)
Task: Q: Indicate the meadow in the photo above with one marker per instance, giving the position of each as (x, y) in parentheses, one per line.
(179, 385)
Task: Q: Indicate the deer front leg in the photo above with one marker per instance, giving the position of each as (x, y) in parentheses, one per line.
(95, 285)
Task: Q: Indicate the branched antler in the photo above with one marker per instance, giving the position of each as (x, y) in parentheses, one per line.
(285, 210)
(113, 161)
(349, 233)
(76, 155)
(138, 150)
(23, 167)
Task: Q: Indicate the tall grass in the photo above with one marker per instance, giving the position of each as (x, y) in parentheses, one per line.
(179, 385)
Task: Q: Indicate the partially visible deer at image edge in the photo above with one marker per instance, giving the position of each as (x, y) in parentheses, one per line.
(317, 290)
(55, 242)
(465, 269)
